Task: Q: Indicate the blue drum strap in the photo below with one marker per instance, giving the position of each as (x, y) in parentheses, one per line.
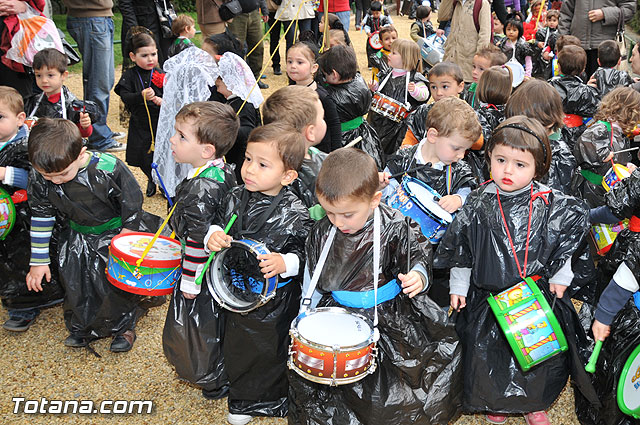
(261, 220)
(636, 299)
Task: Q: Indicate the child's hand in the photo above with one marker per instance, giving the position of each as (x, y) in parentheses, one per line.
(412, 283)
(450, 203)
(383, 179)
(412, 87)
(608, 158)
(600, 331)
(188, 295)
(458, 302)
(125, 230)
(557, 289)
(3, 172)
(546, 56)
(157, 100)
(373, 86)
(439, 32)
(632, 167)
(540, 44)
(85, 120)
(592, 82)
(148, 93)
(271, 264)
(218, 241)
(35, 275)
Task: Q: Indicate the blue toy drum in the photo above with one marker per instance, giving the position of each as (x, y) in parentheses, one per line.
(417, 200)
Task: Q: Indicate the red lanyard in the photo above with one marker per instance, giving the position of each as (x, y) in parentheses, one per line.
(523, 272)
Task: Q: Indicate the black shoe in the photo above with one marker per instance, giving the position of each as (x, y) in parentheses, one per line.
(123, 343)
(149, 302)
(263, 85)
(277, 70)
(18, 325)
(76, 341)
(151, 189)
(216, 394)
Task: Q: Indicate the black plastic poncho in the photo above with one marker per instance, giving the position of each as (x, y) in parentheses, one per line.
(542, 68)
(102, 190)
(477, 239)
(577, 99)
(15, 249)
(489, 116)
(418, 379)
(563, 165)
(417, 121)
(193, 331)
(73, 107)
(608, 79)
(595, 145)
(249, 117)
(523, 49)
(391, 133)
(255, 344)
(352, 101)
(305, 185)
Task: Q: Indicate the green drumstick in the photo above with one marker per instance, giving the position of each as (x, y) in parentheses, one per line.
(591, 366)
(206, 265)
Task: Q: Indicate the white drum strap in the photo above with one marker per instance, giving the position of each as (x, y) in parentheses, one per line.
(376, 268)
(306, 301)
(406, 85)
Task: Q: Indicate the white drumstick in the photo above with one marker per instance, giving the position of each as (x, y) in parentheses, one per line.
(353, 142)
(626, 150)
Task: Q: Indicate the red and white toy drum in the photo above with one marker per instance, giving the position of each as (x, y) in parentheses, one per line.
(389, 107)
(374, 41)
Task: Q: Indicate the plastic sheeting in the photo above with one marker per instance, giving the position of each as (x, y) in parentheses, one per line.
(73, 107)
(608, 79)
(305, 185)
(563, 166)
(417, 121)
(578, 99)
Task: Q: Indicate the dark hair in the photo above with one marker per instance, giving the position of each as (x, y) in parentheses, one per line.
(572, 60)
(181, 23)
(50, 58)
(294, 105)
(608, 53)
(423, 12)
(215, 124)
(310, 50)
(537, 99)
(141, 40)
(517, 138)
(494, 86)
(551, 13)
(517, 24)
(566, 40)
(225, 42)
(54, 143)
(386, 29)
(289, 142)
(514, 14)
(341, 59)
(347, 173)
(448, 69)
(376, 6)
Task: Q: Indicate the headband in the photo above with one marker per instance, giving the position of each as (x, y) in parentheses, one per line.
(531, 132)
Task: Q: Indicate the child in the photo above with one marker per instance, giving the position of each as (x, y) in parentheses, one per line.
(545, 46)
(255, 344)
(537, 99)
(302, 69)
(514, 46)
(23, 305)
(485, 58)
(352, 98)
(184, 28)
(56, 100)
(100, 198)
(498, 29)
(490, 248)
(403, 83)
(413, 364)
(192, 333)
(140, 89)
(422, 27)
(235, 82)
(607, 77)
(579, 101)
(300, 107)
(617, 116)
(379, 62)
(371, 24)
(562, 41)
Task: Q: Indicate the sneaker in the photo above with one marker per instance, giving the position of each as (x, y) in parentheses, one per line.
(75, 341)
(118, 135)
(117, 147)
(496, 419)
(537, 418)
(277, 70)
(238, 419)
(263, 85)
(18, 324)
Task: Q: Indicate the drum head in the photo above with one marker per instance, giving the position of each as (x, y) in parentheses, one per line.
(425, 197)
(374, 41)
(134, 244)
(7, 214)
(629, 387)
(517, 70)
(334, 326)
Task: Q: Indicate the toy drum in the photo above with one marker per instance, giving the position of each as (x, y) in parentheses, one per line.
(603, 235)
(415, 199)
(236, 281)
(432, 49)
(517, 71)
(615, 174)
(629, 386)
(374, 41)
(157, 274)
(389, 107)
(531, 328)
(332, 346)
(30, 122)
(7, 214)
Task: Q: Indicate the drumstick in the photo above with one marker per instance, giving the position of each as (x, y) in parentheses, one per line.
(626, 150)
(353, 142)
(164, 189)
(410, 170)
(408, 244)
(591, 366)
(206, 265)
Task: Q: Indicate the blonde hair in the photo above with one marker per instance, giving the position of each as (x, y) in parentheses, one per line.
(453, 115)
(181, 23)
(338, 36)
(410, 53)
(11, 99)
(621, 105)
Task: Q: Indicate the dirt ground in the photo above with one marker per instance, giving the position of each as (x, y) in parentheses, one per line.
(37, 365)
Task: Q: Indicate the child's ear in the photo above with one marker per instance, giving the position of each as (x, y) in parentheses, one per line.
(599, 64)
(309, 133)
(132, 56)
(82, 151)
(432, 133)
(288, 177)
(461, 87)
(21, 117)
(65, 75)
(375, 201)
(314, 68)
(208, 151)
(618, 64)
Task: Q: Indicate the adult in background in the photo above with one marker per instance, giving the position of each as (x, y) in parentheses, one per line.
(341, 8)
(274, 36)
(209, 17)
(634, 61)
(90, 23)
(287, 12)
(143, 13)
(594, 22)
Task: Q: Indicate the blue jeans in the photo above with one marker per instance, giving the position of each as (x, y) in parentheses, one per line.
(344, 18)
(95, 42)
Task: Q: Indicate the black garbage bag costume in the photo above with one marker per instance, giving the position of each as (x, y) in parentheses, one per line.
(418, 379)
(489, 116)
(255, 344)
(249, 119)
(563, 165)
(352, 101)
(15, 249)
(38, 105)
(522, 50)
(477, 239)
(391, 133)
(608, 79)
(305, 185)
(193, 331)
(417, 121)
(101, 200)
(542, 68)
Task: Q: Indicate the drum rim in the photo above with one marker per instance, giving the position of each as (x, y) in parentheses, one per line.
(4, 194)
(408, 179)
(151, 263)
(215, 280)
(375, 33)
(623, 375)
(137, 290)
(333, 381)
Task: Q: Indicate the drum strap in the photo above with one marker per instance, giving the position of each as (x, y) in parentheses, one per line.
(261, 220)
(64, 108)
(406, 84)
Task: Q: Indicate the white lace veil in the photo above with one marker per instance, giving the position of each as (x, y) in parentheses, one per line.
(239, 79)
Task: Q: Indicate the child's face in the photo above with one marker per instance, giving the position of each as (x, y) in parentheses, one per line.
(68, 173)
(635, 60)
(498, 28)
(190, 31)
(50, 80)
(350, 214)
(480, 64)
(299, 68)
(316, 132)
(449, 149)
(535, 10)
(388, 39)
(263, 170)
(444, 86)
(426, 19)
(10, 122)
(511, 168)
(395, 60)
(186, 147)
(375, 14)
(145, 57)
(512, 33)
(552, 22)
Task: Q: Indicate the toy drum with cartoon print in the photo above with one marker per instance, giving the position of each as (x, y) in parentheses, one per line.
(615, 174)
(629, 386)
(7, 214)
(374, 41)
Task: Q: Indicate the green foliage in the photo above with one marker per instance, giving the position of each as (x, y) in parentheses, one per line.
(635, 21)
